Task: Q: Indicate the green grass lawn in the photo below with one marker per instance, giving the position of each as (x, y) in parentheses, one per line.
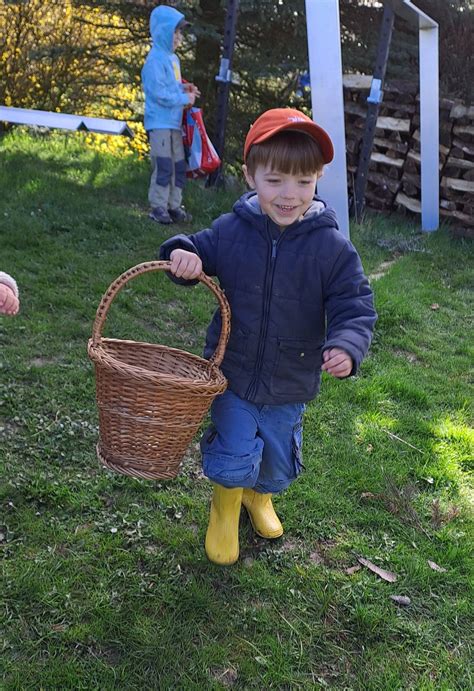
(105, 581)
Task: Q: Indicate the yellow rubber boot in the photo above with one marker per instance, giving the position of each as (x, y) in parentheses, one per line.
(264, 520)
(222, 537)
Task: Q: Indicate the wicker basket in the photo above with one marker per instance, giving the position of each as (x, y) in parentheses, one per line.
(151, 398)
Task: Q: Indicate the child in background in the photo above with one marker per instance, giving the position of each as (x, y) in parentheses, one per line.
(300, 304)
(9, 297)
(165, 98)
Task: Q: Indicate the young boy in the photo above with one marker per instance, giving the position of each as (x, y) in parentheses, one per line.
(165, 98)
(300, 303)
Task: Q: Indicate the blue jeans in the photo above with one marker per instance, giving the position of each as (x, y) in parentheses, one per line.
(251, 445)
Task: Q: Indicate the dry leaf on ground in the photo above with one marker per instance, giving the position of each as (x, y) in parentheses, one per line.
(435, 566)
(382, 573)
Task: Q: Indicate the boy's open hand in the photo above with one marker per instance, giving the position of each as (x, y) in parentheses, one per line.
(337, 362)
(9, 303)
(185, 264)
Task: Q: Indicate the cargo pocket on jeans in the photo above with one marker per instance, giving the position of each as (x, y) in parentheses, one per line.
(229, 470)
(297, 447)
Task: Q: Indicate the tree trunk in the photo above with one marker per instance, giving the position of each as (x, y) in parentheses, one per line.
(206, 62)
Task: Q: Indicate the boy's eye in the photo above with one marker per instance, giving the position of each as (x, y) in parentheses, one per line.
(305, 182)
(273, 181)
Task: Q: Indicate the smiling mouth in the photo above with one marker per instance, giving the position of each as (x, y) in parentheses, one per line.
(286, 208)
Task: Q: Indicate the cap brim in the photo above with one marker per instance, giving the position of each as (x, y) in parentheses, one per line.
(183, 24)
(310, 128)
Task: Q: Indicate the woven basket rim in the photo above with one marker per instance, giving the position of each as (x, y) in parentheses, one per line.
(111, 362)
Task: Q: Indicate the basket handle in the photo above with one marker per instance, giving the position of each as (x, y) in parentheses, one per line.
(133, 272)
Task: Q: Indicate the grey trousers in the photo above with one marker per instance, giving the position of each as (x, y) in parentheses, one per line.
(168, 175)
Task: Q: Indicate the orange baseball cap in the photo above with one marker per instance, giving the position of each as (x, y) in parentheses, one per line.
(278, 119)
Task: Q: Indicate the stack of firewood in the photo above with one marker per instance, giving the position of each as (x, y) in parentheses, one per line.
(392, 136)
(394, 175)
(356, 88)
(457, 181)
(409, 196)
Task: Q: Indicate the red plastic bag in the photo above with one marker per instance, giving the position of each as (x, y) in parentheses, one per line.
(201, 156)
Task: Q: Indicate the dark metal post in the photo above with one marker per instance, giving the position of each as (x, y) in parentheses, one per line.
(374, 100)
(224, 79)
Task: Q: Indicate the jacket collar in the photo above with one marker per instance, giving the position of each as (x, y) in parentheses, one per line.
(319, 215)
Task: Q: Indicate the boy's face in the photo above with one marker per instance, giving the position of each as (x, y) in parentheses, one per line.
(282, 196)
(177, 39)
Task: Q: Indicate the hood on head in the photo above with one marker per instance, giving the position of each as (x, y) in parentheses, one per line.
(163, 23)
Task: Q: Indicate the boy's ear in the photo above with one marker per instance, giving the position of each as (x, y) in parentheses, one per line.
(249, 179)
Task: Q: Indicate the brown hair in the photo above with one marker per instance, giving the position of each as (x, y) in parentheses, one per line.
(291, 152)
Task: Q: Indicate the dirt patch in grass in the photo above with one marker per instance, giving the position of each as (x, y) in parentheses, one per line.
(290, 545)
(411, 357)
(44, 361)
(322, 553)
(192, 464)
(9, 427)
(317, 553)
(227, 677)
(382, 269)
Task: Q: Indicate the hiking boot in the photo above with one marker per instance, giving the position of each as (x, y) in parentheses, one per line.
(160, 215)
(180, 215)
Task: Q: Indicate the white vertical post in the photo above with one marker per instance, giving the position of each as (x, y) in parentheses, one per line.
(429, 128)
(429, 110)
(325, 67)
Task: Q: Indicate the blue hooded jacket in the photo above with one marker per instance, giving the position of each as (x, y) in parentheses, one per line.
(292, 294)
(161, 74)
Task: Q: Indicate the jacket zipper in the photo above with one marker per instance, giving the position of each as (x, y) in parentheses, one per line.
(253, 386)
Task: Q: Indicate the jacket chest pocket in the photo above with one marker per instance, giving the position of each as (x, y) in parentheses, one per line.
(296, 368)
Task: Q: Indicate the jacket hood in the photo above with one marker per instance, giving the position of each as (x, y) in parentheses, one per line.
(163, 23)
(319, 214)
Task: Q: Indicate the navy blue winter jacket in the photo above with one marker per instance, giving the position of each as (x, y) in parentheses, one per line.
(292, 295)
